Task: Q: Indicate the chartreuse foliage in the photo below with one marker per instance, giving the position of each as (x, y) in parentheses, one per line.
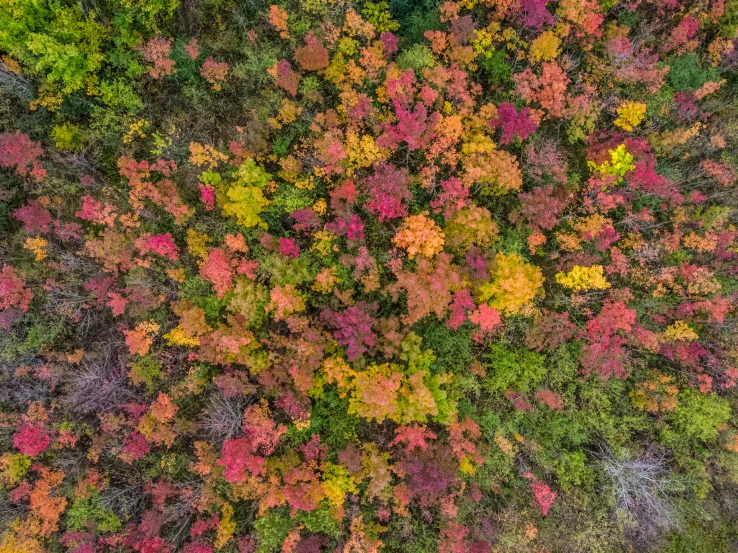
(54, 40)
(405, 276)
(88, 511)
(243, 199)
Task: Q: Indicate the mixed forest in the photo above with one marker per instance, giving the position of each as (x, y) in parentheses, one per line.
(333, 276)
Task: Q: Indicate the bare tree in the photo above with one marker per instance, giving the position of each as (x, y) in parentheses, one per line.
(16, 392)
(223, 417)
(124, 496)
(641, 486)
(100, 385)
(13, 84)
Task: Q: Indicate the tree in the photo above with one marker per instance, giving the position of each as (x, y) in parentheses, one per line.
(429, 288)
(513, 284)
(313, 56)
(19, 151)
(388, 189)
(242, 456)
(420, 235)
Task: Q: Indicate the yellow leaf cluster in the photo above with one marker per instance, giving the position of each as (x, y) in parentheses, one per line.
(38, 246)
(584, 278)
(496, 170)
(201, 155)
(320, 207)
(471, 225)
(668, 139)
(360, 151)
(9, 543)
(226, 526)
(288, 113)
(177, 336)
(514, 284)
(630, 115)
(680, 332)
(135, 129)
(197, 243)
(592, 225)
(545, 47)
(337, 482)
(245, 203)
(707, 243)
(484, 39)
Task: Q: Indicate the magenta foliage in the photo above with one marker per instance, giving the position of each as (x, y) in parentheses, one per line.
(389, 42)
(487, 318)
(549, 331)
(296, 407)
(461, 303)
(520, 401)
(92, 210)
(685, 104)
(31, 439)
(197, 548)
(415, 127)
(413, 437)
(237, 458)
(462, 29)
(135, 446)
(342, 198)
(455, 196)
(430, 473)
(19, 151)
(152, 545)
(354, 329)
(546, 159)
(603, 353)
(244, 454)
(606, 237)
(535, 14)
(13, 291)
(477, 263)
(645, 178)
(207, 195)
(288, 247)
(313, 451)
(305, 219)
(353, 228)
(287, 78)
(387, 189)
(160, 244)
(513, 123)
(33, 216)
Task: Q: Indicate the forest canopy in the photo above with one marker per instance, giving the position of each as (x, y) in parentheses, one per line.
(358, 277)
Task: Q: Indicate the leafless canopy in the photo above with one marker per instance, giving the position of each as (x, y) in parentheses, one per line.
(223, 417)
(641, 485)
(100, 385)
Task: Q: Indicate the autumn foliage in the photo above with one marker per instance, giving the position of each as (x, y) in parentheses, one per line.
(362, 277)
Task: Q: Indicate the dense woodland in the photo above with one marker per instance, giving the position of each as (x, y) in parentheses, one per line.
(329, 276)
